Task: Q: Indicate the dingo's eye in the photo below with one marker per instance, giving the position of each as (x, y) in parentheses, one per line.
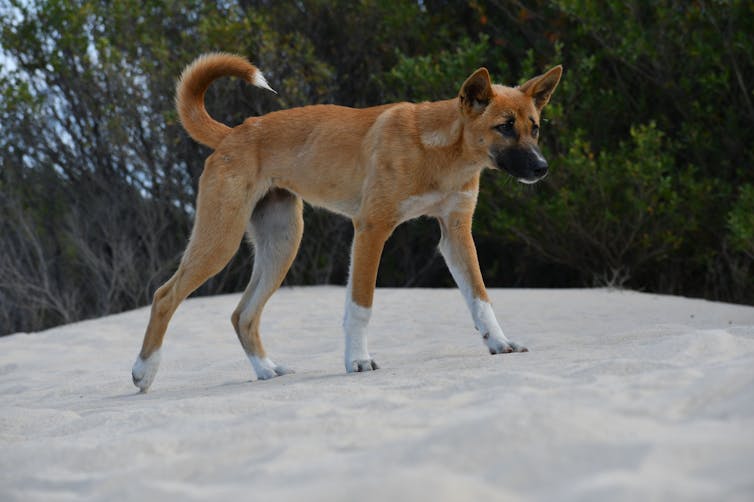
(534, 131)
(508, 128)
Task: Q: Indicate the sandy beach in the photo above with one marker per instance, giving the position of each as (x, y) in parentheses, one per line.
(623, 396)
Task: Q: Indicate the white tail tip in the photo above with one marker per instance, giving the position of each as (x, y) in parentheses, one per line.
(260, 81)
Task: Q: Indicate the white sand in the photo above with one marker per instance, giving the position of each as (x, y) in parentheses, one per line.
(624, 396)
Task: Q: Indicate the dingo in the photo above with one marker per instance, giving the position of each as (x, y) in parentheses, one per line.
(378, 166)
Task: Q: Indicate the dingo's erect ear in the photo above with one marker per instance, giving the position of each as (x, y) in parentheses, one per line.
(540, 88)
(476, 92)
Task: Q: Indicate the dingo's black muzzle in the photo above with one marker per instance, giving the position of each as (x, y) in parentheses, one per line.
(524, 163)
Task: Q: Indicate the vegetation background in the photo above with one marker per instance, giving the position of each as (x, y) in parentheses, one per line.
(649, 138)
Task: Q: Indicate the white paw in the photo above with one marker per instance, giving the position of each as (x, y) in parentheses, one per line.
(265, 368)
(144, 371)
(502, 346)
(359, 365)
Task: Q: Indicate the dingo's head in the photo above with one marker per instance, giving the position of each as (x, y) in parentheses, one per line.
(502, 123)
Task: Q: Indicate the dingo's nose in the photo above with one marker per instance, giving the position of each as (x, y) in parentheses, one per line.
(540, 168)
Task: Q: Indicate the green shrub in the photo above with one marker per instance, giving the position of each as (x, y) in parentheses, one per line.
(741, 221)
(611, 214)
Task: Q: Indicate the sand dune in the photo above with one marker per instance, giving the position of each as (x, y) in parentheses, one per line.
(624, 396)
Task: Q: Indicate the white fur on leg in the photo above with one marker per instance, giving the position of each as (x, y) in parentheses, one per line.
(486, 323)
(355, 327)
(485, 320)
(265, 368)
(144, 371)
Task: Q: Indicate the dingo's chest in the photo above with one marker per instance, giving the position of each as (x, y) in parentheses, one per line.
(432, 204)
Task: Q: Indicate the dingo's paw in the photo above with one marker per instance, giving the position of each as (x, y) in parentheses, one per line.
(265, 368)
(361, 365)
(144, 370)
(499, 346)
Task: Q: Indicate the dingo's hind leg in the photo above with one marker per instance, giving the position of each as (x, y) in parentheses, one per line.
(275, 229)
(224, 203)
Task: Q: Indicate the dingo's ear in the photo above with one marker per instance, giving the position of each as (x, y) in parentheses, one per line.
(541, 88)
(476, 92)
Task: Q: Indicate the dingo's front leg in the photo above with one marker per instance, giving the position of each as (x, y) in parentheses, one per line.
(368, 241)
(457, 247)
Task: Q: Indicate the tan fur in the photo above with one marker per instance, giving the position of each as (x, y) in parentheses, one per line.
(378, 166)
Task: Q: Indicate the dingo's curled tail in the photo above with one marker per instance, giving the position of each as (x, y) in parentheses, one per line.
(193, 84)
